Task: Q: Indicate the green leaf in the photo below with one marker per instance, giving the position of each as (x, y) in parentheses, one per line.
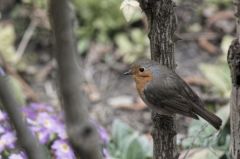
(202, 134)
(129, 8)
(95, 21)
(224, 134)
(219, 76)
(119, 131)
(138, 36)
(226, 42)
(132, 148)
(132, 46)
(224, 114)
(146, 146)
(123, 43)
(83, 45)
(206, 153)
(7, 38)
(46, 151)
(128, 144)
(225, 3)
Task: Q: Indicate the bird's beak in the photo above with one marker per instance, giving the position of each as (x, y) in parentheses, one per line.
(129, 72)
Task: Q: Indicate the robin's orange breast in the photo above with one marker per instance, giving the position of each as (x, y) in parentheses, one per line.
(141, 82)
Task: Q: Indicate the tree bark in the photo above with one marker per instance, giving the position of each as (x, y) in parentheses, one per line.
(25, 137)
(162, 25)
(81, 132)
(234, 64)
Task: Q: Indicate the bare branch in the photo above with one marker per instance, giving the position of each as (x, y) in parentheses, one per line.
(25, 40)
(82, 134)
(26, 138)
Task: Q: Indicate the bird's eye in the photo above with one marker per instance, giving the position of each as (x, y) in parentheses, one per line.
(141, 69)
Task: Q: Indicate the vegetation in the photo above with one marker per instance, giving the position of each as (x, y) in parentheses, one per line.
(107, 44)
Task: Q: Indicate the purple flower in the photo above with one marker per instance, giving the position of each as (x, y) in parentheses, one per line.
(43, 136)
(2, 130)
(29, 113)
(2, 145)
(105, 139)
(49, 127)
(51, 124)
(106, 154)
(2, 73)
(61, 132)
(20, 155)
(103, 134)
(62, 150)
(46, 125)
(47, 121)
(33, 109)
(8, 139)
(3, 116)
(39, 107)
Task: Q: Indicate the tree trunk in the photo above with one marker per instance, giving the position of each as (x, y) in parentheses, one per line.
(234, 64)
(162, 25)
(81, 132)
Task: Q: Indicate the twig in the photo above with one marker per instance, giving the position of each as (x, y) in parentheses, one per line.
(201, 130)
(26, 88)
(197, 35)
(214, 100)
(33, 149)
(45, 71)
(25, 40)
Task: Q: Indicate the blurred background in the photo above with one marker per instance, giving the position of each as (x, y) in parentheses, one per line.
(107, 43)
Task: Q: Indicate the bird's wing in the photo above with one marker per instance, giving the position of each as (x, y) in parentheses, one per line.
(172, 94)
(187, 92)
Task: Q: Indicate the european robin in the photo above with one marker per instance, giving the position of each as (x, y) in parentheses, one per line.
(167, 93)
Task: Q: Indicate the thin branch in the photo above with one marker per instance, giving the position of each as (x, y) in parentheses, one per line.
(25, 40)
(195, 138)
(26, 138)
(82, 134)
(27, 90)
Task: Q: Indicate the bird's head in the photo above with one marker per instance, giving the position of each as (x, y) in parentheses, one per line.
(141, 69)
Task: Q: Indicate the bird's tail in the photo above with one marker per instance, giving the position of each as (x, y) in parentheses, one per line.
(214, 120)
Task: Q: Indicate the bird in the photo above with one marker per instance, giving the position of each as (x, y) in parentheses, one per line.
(166, 93)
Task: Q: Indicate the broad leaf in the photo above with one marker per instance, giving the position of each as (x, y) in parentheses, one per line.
(129, 8)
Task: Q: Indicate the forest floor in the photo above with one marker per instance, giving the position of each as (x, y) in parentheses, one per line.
(112, 95)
